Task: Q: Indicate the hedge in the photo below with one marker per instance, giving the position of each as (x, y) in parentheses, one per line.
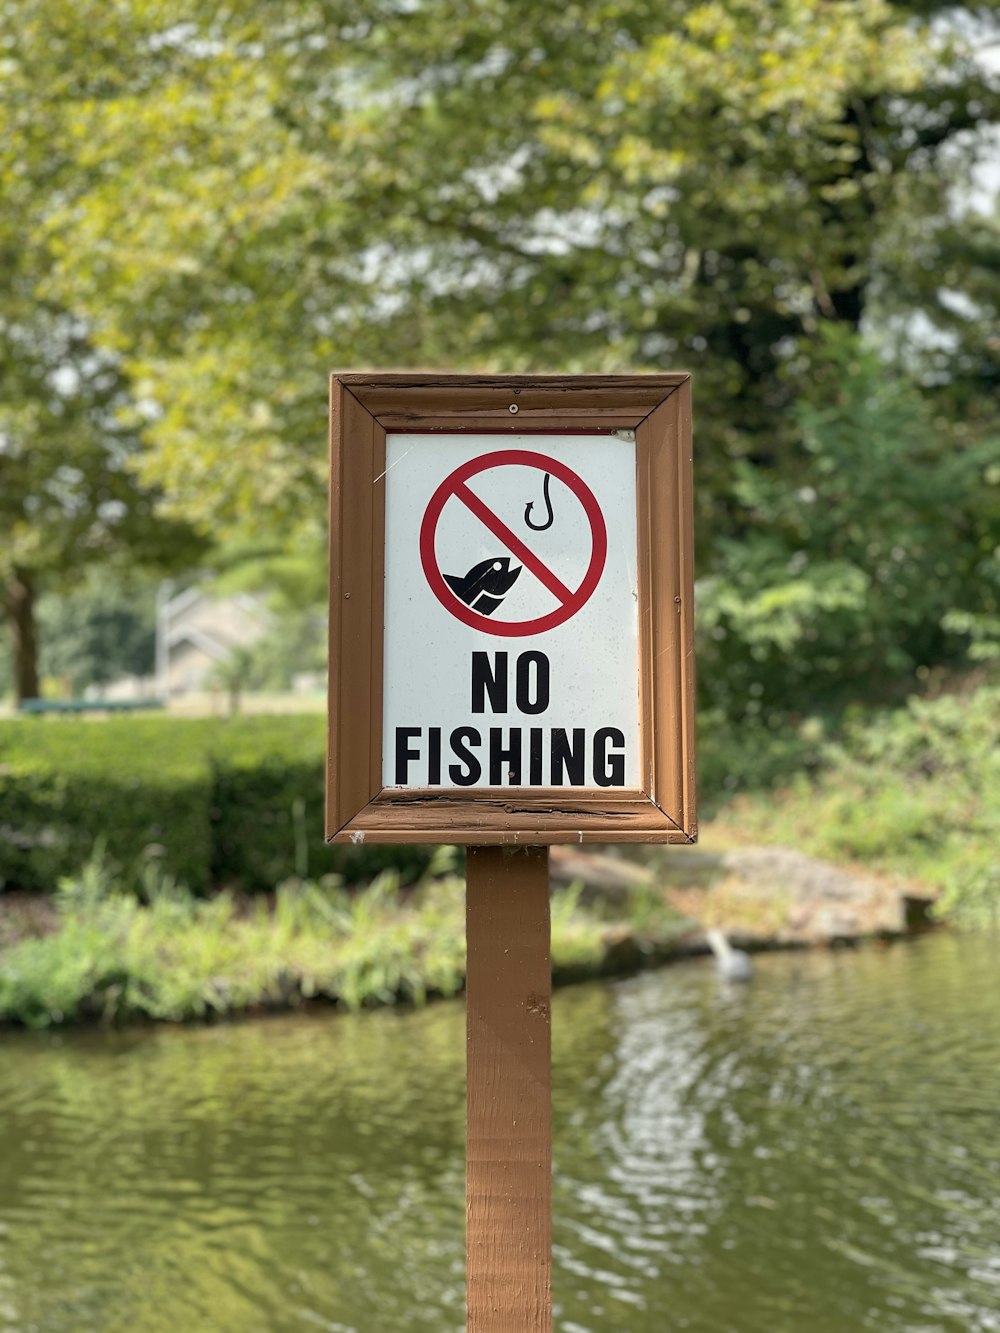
(234, 801)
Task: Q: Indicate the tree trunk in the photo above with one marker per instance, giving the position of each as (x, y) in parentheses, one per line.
(19, 604)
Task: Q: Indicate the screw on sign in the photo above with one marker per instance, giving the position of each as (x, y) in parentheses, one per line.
(476, 594)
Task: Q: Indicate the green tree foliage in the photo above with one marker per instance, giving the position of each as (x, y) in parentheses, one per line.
(184, 232)
(591, 187)
(100, 631)
(251, 197)
(866, 559)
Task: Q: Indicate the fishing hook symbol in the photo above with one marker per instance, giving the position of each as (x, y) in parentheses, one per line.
(540, 527)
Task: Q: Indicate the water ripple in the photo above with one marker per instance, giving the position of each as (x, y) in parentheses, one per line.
(818, 1151)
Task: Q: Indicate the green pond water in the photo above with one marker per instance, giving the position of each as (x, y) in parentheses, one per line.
(818, 1151)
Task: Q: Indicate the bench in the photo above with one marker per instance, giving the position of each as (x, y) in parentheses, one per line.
(40, 706)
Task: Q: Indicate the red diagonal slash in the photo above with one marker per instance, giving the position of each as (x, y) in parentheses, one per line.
(569, 602)
(513, 543)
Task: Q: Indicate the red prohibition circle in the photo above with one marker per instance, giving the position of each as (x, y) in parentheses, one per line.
(454, 484)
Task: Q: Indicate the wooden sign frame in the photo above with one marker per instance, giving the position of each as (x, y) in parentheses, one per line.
(363, 408)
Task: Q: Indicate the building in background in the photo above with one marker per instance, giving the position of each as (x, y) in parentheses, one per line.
(197, 633)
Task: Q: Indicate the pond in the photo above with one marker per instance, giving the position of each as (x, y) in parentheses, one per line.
(817, 1151)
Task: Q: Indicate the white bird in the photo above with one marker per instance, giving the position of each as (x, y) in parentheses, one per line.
(731, 964)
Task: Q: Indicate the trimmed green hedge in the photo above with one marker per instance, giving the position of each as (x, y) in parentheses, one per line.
(235, 801)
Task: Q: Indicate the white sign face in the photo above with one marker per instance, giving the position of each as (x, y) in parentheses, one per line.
(511, 612)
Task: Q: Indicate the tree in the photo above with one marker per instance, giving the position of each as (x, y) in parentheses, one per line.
(68, 495)
(596, 186)
(872, 560)
(181, 233)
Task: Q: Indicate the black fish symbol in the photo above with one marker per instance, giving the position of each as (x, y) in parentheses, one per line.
(485, 585)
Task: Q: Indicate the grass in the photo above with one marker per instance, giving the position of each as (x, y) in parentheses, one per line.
(163, 954)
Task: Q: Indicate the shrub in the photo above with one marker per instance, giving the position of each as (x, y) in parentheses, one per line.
(138, 783)
(267, 808)
(914, 791)
(235, 801)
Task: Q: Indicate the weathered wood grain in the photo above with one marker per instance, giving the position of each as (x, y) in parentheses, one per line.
(477, 402)
(683, 426)
(666, 603)
(511, 817)
(352, 613)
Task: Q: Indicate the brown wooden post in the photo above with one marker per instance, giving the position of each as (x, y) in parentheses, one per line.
(509, 1095)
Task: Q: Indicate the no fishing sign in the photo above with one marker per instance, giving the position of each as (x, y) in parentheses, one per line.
(511, 626)
(511, 609)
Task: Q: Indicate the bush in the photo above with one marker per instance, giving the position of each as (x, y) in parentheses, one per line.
(139, 783)
(235, 801)
(267, 808)
(914, 791)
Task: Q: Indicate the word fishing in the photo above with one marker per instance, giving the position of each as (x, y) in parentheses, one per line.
(512, 756)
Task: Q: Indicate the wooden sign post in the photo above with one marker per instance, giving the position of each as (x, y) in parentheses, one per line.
(508, 1091)
(511, 666)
